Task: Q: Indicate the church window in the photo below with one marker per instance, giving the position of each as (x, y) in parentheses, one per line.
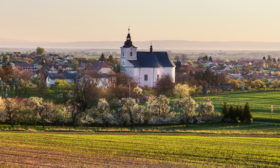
(146, 77)
(130, 53)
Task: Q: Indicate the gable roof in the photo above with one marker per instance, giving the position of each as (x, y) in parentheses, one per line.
(98, 65)
(152, 59)
(65, 75)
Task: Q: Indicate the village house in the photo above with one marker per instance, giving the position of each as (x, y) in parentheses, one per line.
(100, 74)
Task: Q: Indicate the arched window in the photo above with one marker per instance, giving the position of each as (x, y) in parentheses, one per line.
(146, 77)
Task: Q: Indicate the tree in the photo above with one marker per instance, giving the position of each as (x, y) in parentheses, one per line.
(178, 65)
(40, 51)
(258, 84)
(210, 59)
(2, 110)
(137, 93)
(102, 57)
(159, 110)
(225, 112)
(61, 115)
(8, 73)
(181, 90)
(186, 106)
(11, 110)
(111, 59)
(206, 111)
(75, 64)
(102, 114)
(127, 111)
(247, 114)
(42, 110)
(164, 85)
(80, 100)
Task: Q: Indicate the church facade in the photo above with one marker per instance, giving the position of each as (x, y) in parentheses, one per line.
(146, 68)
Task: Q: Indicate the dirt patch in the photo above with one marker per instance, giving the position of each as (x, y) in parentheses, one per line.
(25, 157)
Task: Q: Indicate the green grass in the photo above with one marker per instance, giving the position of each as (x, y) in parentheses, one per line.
(260, 103)
(77, 150)
(216, 129)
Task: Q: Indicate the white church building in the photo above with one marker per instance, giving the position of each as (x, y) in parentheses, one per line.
(146, 68)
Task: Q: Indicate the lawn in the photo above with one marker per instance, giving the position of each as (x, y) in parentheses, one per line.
(136, 150)
(259, 101)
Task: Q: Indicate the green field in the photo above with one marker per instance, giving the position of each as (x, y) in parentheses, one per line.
(260, 103)
(136, 150)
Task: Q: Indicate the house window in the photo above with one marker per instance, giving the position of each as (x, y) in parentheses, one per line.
(157, 77)
(131, 54)
(146, 77)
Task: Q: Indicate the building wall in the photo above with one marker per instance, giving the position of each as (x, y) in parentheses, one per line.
(154, 74)
(126, 56)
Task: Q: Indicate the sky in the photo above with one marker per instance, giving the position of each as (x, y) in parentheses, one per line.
(108, 20)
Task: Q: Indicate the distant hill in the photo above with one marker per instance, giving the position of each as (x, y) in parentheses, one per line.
(158, 44)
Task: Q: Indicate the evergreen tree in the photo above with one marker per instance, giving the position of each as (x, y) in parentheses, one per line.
(102, 57)
(232, 113)
(225, 112)
(247, 114)
(210, 59)
(111, 59)
(178, 65)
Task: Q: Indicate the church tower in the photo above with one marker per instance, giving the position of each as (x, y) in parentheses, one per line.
(128, 53)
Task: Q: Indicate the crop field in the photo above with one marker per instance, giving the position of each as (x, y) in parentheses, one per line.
(260, 103)
(136, 150)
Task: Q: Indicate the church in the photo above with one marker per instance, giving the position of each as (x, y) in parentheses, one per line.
(146, 68)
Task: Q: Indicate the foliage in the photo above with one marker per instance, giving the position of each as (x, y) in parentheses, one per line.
(40, 51)
(186, 106)
(164, 85)
(258, 84)
(181, 90)
(102, 57)
(206, 111)
(205, 78)
(102, 114)
(159, 110)
(237, 114)
(131, 113)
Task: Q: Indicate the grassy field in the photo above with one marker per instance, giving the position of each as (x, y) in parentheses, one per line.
(215, 129)
(136, 150)
(260, 103)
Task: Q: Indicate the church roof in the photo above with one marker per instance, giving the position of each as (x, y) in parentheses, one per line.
(152, 59)
(128, 42)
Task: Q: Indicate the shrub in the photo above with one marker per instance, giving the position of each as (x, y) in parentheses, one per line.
(159, 110)
(101, 115)
(206, 111)
(186, 107)
(181, 90)
(237, 114)
(164, 85)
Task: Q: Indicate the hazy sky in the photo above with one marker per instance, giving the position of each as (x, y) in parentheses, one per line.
(108, 20)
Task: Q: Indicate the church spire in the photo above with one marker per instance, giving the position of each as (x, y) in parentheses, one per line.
(128, 38)
(128, 42)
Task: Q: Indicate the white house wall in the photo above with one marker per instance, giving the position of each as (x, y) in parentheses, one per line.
(153, 74)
